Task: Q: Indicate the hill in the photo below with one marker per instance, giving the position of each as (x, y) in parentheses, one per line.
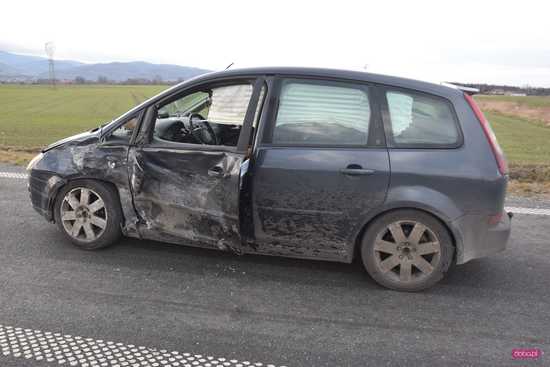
(121, 71)
(7, 70)
(32, 66)
(24, 67)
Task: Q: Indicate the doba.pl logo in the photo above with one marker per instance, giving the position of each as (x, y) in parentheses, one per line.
(529, 353)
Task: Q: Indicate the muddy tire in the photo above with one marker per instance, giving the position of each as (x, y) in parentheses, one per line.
(88, 213)
(407, 250)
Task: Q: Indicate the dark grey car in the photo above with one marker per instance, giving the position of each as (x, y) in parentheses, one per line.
(309, 163)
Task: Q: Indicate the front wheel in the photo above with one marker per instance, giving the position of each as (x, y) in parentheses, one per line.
(407, 250)
(88, 214)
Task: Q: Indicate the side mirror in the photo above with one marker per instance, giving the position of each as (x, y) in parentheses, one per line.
(162, 115)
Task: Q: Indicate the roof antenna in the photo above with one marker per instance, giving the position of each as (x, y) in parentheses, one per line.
(230, 65)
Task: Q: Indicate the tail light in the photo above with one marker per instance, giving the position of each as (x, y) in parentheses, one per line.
(495, 218)
(497, 151)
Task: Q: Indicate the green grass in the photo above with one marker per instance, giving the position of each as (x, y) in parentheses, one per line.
(521, 140)
(36, 115)
(529, 101)
(524, 138)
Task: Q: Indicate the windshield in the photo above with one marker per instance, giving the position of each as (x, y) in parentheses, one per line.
(130, 112)
(191, 103)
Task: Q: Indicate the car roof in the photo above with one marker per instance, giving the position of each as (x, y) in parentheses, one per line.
(445, 91)
(432, 88)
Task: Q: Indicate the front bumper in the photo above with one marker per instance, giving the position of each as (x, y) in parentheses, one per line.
(43, 186)
(479, 238)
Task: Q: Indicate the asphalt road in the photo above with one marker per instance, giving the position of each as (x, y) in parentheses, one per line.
(257, 309)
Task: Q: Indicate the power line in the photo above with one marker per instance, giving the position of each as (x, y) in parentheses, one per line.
(50, 50)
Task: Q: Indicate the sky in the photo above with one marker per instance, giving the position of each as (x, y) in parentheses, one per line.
(486, 41)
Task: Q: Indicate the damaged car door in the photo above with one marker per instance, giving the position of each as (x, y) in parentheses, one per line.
(185, 171)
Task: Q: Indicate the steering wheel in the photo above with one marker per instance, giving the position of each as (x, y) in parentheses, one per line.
(201, 130)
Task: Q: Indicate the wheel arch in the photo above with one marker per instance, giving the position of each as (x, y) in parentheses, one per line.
(67, 181)
(446, 222)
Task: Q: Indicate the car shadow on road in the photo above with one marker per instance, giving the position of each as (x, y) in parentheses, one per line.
(188, 259)
(497, 273)
(477, 274)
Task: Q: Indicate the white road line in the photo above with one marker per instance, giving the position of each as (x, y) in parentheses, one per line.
(534, 211)
(22, 176)
(87, 352)
(513, 209)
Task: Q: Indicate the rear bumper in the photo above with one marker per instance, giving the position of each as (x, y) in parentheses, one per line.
(479, 238)
(43, 186)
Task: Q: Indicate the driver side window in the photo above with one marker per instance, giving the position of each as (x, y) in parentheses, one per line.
(212, 116)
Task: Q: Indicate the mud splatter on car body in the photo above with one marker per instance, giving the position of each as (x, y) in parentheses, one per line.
(298, 200)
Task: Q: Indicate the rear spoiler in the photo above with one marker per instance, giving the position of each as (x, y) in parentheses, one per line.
(468, 90)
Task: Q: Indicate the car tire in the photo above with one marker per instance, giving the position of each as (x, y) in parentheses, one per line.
(88, 213)
(407, 250)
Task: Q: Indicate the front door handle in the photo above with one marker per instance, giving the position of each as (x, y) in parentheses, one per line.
(215, 171)
(356, 170)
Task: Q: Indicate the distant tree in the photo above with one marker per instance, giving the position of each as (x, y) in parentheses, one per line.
(79, 80)
(500, 89)
(157, 79)
(136, 81)
(102, 79)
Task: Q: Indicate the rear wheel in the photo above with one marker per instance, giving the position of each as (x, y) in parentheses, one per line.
(88, 214)
(407, 250)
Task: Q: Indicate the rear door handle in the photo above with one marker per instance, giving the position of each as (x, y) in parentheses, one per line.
(352, 171)
(215, 171)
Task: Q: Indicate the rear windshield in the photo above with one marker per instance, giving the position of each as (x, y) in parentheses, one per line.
(418, 119)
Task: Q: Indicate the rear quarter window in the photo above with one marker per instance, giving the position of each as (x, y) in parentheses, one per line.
(417, 120)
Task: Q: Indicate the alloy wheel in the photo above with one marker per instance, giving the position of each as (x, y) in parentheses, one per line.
(83, 214)
(407, 251)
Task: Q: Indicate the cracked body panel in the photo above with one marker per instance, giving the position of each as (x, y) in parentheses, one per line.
(79, 158)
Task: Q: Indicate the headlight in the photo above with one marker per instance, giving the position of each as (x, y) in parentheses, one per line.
(34, 161)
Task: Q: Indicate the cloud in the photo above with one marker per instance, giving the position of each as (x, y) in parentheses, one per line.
(488, 41)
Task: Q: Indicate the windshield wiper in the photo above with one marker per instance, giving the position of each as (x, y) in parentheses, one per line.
(100, 128)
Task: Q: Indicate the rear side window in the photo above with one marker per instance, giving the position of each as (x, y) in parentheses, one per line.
(420, 120)
(322, 113)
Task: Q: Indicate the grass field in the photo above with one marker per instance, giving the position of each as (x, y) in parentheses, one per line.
(529, 101)
(34, 116)
(522, 141)
(522, 126)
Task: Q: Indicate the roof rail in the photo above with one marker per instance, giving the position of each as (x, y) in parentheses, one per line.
(468, 90)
